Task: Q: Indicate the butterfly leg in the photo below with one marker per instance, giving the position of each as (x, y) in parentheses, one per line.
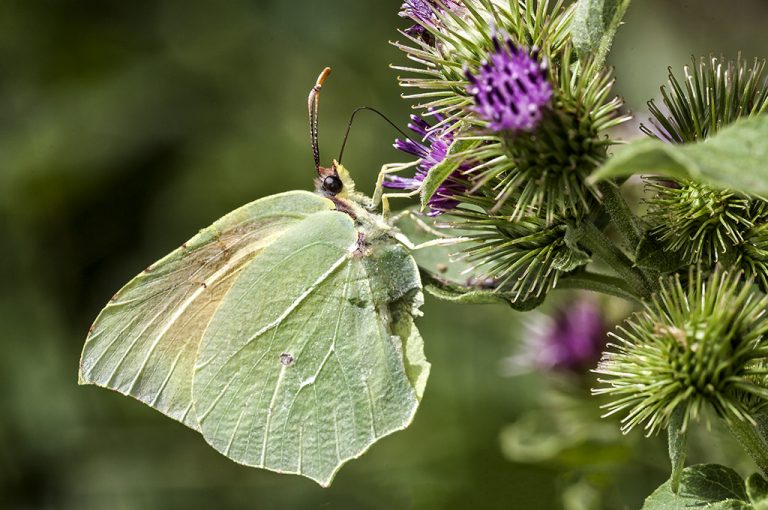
(379, 197)
(416, 218)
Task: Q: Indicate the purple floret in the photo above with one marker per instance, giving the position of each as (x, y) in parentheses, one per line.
(431, 151)
(511, 89)
(571, 339)
(421, 11)
(574, 339)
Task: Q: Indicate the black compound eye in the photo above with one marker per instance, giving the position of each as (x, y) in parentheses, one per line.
(332, 184)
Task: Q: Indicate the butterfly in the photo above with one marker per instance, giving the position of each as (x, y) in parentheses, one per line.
(284, 332)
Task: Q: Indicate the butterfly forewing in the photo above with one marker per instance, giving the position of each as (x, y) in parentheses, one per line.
(312, 354)
(144, 342)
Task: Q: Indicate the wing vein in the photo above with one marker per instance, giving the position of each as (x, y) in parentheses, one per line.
(222, 271)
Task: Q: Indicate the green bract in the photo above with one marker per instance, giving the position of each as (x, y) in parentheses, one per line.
(544, 172)
(283, 333)
(524, 258)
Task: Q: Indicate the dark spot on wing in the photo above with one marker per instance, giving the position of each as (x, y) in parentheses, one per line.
(442, 268)
(360, 303)
(286, 359)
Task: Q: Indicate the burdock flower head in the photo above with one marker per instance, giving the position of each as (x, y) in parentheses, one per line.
(569, 340)
(431, 151)
(511, 89)
(704, 343)
(539, 117)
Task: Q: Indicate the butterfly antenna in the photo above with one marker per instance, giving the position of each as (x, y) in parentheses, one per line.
(352, 119)
(312, 103)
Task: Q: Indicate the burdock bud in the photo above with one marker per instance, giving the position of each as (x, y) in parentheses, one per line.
(697, 344)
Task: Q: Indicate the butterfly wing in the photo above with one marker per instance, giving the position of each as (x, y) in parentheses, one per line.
(145, 341)
(312, 355)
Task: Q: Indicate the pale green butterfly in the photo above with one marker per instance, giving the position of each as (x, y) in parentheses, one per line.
(284, 333)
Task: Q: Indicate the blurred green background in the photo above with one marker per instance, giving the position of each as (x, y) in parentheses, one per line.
(127, 126)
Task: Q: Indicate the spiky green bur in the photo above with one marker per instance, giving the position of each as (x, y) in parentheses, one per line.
(696, 344)
(753, 254)
(541, 171)
(523, 258)
(700, 222)
(712, 95)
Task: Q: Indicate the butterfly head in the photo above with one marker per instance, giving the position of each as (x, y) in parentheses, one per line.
(334, 181)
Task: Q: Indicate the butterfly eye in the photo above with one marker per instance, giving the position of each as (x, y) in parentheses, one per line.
(332, 184)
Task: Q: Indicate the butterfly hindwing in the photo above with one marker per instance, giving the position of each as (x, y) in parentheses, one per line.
(312, 355)
(145, 341)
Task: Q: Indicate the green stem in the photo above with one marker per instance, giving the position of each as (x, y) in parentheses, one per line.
(598, 243)
(752, 442)
(677, 441)
(601, 283)
(626, 222)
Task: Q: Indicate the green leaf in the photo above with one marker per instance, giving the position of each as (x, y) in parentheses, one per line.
(677, 440)
(601, 283)
(440, 172)
(288, 343)
(736, 158)
(709, 486)
(762, 424)
(594, 26)
(757, 490)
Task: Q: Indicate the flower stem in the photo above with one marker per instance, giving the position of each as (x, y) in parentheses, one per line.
(752, 441)
(598, 243)
(626, 222)
(677, 441)
(601, 283)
